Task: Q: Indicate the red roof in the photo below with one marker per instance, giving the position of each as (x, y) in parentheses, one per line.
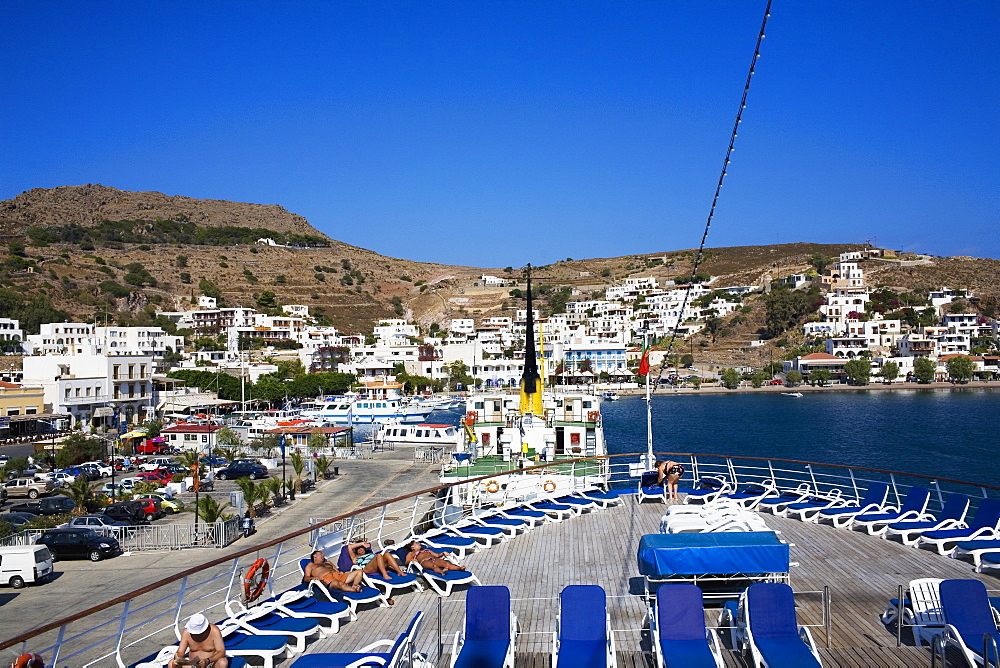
(307, 430)
(8, 386)
(820, 356)
(192, 429)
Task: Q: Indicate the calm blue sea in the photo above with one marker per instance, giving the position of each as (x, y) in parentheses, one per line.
(950, 434)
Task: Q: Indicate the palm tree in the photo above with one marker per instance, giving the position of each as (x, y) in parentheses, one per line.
(323, 464)
(298, 465)
(271, 486)
(251, 494)
(211, 510)
(81, 491)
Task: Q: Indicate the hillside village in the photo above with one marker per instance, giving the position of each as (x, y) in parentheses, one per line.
(84, 375)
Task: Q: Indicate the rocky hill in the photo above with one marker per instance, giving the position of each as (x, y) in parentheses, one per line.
(91, 251)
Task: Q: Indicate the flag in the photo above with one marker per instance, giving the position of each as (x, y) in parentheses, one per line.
(281, 444)
(644, 363)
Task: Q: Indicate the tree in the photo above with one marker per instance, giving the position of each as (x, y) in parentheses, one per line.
(209, 288)
(889, 372)
(227, 438)
(758, 379)
(961, 368)
(793, 378)
(730, 379)
(819, 262)
(272, 486)
(924, 370)
(79, 448)
(212, 511)
(82, 492)
(323, 465)
(820, 376)
(298, 465)
(858, 371)
(252, 494)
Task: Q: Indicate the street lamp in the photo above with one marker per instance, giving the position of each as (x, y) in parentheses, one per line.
(284, 481)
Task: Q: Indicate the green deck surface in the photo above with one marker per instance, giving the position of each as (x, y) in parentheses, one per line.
(494, 464)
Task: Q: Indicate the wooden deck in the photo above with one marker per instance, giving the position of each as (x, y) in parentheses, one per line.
(600, 548)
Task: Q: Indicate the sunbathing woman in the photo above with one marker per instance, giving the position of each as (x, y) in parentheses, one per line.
(371, 562)
(324, 571)
(428, 559)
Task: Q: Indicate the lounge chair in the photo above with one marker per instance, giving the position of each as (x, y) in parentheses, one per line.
(765, 626)
(971, 624)
(352, 599)
(650, 489)
(490, 518)
(722, 520)
(557, 512)
(262, 621)
(582, 503)
(983, 526)
(394, 655)
(778, 501)
(240, 643)
(534, 518)
(976, 549)
(751, 494)
(604, 498)
(677, 628)
(842, 516)
(989, 560)
(914, 508)
(441, 539)
(952, 515)
(583, 637)
(387, 585)
(486, 536)
(489, 637)
(162, 659)
(298, 603)
(808, 509)
(442, 583)
(710, 487)
(921, 610)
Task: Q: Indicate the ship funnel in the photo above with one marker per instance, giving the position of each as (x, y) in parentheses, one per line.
(531, 384)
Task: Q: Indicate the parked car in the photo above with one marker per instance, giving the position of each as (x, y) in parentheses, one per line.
(241, 470)
(214, 461)
(150, 507)
(51, 505)
(102, 467)
(79, 543)
(28, 487)
(130, 512)
(124, 464)
(154, 463)
(23, 564)
(102, 524)
(90, 472)
(169, 504)
(17, 519)
(174, 468)
(158, 476)
(777, 381)
(128, 484)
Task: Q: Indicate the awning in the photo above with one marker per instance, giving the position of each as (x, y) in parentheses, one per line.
(138, 433)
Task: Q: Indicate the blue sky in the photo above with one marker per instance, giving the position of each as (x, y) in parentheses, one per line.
(505, 132)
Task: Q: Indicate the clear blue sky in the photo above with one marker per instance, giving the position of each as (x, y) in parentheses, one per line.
(496, 133)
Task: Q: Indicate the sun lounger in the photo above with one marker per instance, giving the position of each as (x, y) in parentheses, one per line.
(677, 628)
(299, 604)
(775, 502)
(243, 644)
(724, 520)
(989, 560)
(808, 509)
(442, 583)
(842, 516)
(751, 494)
(604, 498)
(388, 586)
(921, 610)
(489, 634)
(976, 549)
(394, 654)
(765, 626)
(440, 539)
(983, 526)
(583, 637)
(556, 511)
(710, 487)
(952, 515)
(353, 599)
(261, 621)
(534, 518)
(650, 489)
(162, 658)
(511, 525)
(971, 624)
(914, 508)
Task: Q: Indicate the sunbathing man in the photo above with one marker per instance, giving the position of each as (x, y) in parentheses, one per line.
(201, 645)
(371, 562)
(324, 571)
(428, 559)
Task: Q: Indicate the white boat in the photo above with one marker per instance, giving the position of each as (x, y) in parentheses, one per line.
(428, 435)
(378, 404)
(792, 394)
(610, 396)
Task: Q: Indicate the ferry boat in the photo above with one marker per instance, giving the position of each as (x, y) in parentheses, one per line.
(393, 433)
(378, 403)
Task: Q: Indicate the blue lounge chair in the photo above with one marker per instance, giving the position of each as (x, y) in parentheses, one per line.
(778, 501)
(914, 508)
(162, 659)
(352, 599)
(387, 585)
(533, 517)
(263, 621)
(765, 627)
(710, 487)
(751, 494)
(489, 637)
(983, 526)
(976, 549)
(990, 560)
(556, 511)
(583, 637)
(677, 627)
(952, 515)
(486, 536)
(872, 502)
(239, 643)
(650, 489)
(512, 526)
(604, 498)
(442, 583)
(395, 654)
(971, 625)
(808, 509)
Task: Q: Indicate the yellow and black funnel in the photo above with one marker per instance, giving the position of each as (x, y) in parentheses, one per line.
(531, 382)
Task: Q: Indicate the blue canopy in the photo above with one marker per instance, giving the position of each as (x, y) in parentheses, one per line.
(661, 555)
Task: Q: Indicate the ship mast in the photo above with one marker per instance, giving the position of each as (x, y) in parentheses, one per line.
(531, 390)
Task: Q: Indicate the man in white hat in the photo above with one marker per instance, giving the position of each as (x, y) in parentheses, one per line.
(201, 645)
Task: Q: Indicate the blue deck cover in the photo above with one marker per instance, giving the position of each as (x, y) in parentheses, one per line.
(661, 555)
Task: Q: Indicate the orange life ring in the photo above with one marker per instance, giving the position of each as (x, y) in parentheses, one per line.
(592, 416)
(28, 661)
(256, 579)
(471, 417)
(549, 486)
(492, 487)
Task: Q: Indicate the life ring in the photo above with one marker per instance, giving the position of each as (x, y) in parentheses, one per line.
(256, 579)
(592, 416)
(471, 417)
(492, 487)
(549, 486)
(28, 661)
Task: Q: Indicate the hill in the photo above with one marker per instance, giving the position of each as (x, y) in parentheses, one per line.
(91, 251)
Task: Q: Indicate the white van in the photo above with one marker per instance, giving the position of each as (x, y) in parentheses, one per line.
(23, 564)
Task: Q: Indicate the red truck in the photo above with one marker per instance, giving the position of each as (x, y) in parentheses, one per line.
(151, 446)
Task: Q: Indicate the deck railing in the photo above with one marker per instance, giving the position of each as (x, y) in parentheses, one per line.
(140, 622)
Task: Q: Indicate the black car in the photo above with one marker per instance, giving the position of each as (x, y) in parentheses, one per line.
(91, 472)
(129, 512)
(17, 519)
(79, 543)
(241, 470)
(52, 505)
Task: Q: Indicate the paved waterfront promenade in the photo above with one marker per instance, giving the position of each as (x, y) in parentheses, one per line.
(81, 584)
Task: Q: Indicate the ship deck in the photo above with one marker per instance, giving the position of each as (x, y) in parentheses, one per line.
(495, 465)
(863, 573)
